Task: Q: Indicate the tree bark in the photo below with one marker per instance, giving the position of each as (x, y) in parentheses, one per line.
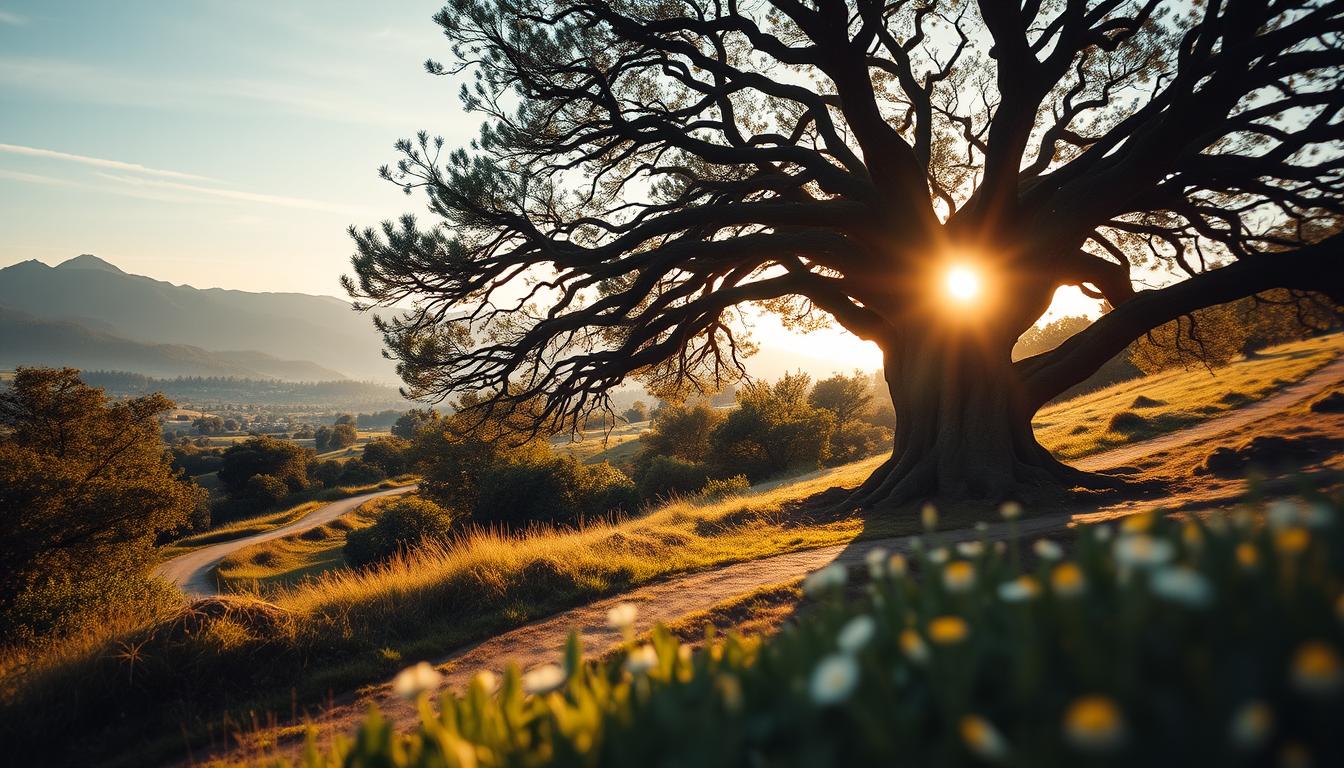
(963, 428)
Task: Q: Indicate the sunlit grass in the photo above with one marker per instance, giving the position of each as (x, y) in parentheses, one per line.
(1172, 400)
(290, 559)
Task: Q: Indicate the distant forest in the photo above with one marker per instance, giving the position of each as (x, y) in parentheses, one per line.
(341, 394)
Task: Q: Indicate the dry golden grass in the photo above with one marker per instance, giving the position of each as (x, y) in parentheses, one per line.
(291, 559)
(1146, 407)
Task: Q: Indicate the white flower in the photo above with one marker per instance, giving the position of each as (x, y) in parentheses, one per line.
(828, 579)
(1047, 550)
(1019, 590)
(1282, 513)
(876, 558)
(981, 527)
(983, 739)
(544, 679)
(856, 633)
(938, 555)
(970, 549)
(1142, 550)
(834, 679)
(486, 679)
(897, 566)
(1251, 725)
(1101, 532)
(1182, 585)
(413, 681)
(1010, 510)
(641, 660)
(1318, 516)
(622, 615)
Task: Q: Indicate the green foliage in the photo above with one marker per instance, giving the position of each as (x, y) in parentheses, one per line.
(410, 423)
(326, 472)
(1162, 643)
(453, 453)
(680, 431)
(402, 525)
(85, 490)
(209, 425)
(859, 440)
(391, 454)
(266, 490)
(722, 489)
(847, 397)
(553, 489)
(773, 429)
(262, 455)
(665, 477)
(360, 472)
(334, 438)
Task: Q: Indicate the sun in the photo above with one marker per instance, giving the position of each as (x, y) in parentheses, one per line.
(962, 283)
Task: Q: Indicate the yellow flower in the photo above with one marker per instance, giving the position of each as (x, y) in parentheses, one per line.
(929, 515)
(1191, 535)
(912, 645)
(1139, 523)
(959, 576)
(1067, 580)
(897, 566)
(1248, 556)
(983, 739)
(1010, 510)
(1292, 541)
(1316, 668)
(1094, 723)
(947, 630)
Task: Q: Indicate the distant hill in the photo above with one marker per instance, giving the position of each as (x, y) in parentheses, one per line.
(99, 297)
(27, 340)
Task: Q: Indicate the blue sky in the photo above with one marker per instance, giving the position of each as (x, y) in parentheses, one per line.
(217, 144)
(230, 144)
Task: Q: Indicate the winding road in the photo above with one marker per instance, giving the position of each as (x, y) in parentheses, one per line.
(192, 572)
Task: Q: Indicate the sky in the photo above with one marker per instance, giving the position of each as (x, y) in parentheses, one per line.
(230, 144)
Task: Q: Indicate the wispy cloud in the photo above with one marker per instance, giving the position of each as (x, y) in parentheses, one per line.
(100, 162)
(239, 195)
(11, 18)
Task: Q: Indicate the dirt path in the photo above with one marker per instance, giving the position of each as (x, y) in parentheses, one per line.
(543, 641)
(1251, 413)
(192, 572)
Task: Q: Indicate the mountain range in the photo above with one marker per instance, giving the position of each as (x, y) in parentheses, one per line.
(87, 313)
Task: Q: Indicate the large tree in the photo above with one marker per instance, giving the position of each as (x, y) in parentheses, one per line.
(646, 169)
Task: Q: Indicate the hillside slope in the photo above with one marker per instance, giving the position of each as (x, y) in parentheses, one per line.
(27, 340)
(294, 326)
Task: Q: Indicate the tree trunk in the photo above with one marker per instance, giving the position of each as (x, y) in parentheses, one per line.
(963, 427)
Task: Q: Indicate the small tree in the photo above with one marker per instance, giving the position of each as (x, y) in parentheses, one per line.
(209, 425)
(402, 525)
(281, 459)
(85, 490)
(774, 428)
(410, 423)
(637, 412)
(847, 397)
(680, 431)
(391, 454)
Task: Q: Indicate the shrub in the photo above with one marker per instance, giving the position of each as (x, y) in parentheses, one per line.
(281, 459)
(680, 431)
(555, 490)
(774, 429)
(390, 454)
(266, 490)
(402, 524)
(327, 472)
(1165, 643)
(668, 476)
(859, 440)
(358, 472)
(722, 489)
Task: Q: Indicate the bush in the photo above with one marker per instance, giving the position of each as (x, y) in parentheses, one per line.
(668, 476)
(773, 430)
(402, 525)
(722, 489)
(556, 490)
(680, 431)
(357, 472)
(859, 440)
(326, 472)
(390, 454)
(1168, 644)
(266, 490)
(280, 459)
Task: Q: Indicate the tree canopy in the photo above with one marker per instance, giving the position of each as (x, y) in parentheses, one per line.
(648, 169)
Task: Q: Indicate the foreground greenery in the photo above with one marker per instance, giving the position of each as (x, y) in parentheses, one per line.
(1156, 642)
